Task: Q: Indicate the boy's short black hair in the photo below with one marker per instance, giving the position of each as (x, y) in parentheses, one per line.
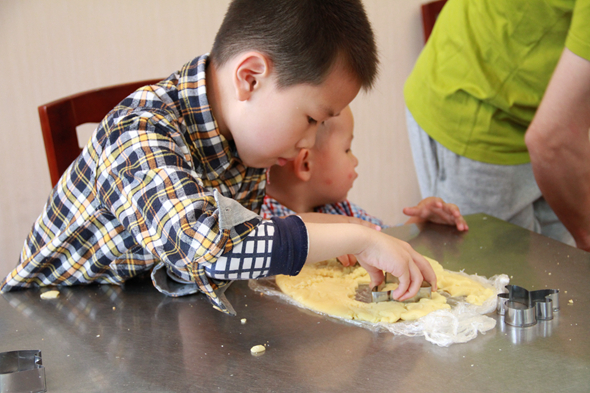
(303, 38)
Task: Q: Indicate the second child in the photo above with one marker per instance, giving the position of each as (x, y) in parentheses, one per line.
(316, 183)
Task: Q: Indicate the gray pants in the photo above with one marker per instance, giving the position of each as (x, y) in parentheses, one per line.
(508, 192)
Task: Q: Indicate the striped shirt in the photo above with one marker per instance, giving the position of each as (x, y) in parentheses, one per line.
(273, 208)
(158, 185)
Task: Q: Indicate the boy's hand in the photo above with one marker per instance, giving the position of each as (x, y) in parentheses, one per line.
(411, 268)
(436, 210)
(375, 251)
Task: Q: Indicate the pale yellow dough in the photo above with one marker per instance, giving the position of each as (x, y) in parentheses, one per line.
(330, 288)
(53, 294)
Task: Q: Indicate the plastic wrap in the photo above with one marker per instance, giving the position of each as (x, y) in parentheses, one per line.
(460, 324)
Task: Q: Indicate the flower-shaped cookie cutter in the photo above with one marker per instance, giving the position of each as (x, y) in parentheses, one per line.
(523, 308)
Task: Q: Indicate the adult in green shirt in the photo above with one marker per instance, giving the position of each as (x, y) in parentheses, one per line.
(499, 113)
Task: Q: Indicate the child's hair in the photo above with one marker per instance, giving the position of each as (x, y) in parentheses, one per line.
(302, 38)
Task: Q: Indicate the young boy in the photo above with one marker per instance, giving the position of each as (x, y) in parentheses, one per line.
(319, 179)
(172, 178)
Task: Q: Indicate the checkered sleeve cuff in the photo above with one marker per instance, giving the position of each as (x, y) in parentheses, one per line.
(276, 246)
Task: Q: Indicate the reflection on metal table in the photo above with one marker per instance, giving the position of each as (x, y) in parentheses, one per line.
(133, 339)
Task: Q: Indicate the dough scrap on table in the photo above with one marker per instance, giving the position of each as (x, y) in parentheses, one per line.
(53, 294)
(330, 288)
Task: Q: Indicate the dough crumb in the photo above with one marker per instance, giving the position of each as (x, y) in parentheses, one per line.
(571, 301)
(244, 320)
(258, 350)
(50, 294)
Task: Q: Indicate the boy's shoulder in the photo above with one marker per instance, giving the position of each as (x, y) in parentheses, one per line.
(347, 208)
(179, 98)
(273, 208)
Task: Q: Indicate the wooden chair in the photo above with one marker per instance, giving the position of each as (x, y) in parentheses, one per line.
(430, 12)
(60, 118)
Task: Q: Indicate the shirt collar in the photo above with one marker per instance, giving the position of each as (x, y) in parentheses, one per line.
(213, 150)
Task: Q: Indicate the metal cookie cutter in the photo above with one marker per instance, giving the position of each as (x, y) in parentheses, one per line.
(22, 371)
(522, 308)
(376, 294)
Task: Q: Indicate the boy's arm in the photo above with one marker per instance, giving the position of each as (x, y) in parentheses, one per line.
(325, 218)
(558, 144)
(283, 245)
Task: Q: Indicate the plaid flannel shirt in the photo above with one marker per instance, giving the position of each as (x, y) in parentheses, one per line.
(272, 208)
(158, 185)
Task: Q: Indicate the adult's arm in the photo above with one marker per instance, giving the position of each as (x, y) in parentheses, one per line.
(559, 145)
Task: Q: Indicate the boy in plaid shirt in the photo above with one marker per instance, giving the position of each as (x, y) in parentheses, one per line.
(173, 178)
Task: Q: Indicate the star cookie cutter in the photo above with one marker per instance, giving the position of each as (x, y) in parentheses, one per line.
(376, 294)
(22, 371)
(523, 308)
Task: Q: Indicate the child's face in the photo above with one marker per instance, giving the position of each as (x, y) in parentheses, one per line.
(275, 124)
(333, 162)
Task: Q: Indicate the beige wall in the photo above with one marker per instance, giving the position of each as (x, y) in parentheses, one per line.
(53, 48)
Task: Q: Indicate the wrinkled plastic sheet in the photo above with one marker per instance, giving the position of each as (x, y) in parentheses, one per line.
(462, 323)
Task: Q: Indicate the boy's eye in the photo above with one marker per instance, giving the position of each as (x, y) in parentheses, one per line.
(311, 120)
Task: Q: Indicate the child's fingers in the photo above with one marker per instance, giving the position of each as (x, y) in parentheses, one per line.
(452, 209)
(375, 274)
(347, 260)
(410, 211)
(415, 281)
(448, 214)
(456, 217)
(343, 259)
(435, 203)
(426, 269)
(461, 224)
(417, 211)
(427, 209)
(418, 270)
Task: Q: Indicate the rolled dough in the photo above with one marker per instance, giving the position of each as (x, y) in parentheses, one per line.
(328, 287)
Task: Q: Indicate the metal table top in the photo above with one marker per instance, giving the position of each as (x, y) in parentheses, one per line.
(133, 339)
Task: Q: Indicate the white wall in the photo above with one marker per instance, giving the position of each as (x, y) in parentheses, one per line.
(53, 48)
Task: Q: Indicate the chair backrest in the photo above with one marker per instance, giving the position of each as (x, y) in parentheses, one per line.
(430, 12)
(60, 118)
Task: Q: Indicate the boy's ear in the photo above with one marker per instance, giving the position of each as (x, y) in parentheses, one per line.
(302, 165)
(252, 69)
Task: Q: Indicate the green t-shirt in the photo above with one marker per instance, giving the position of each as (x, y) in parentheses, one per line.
(481, 76)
